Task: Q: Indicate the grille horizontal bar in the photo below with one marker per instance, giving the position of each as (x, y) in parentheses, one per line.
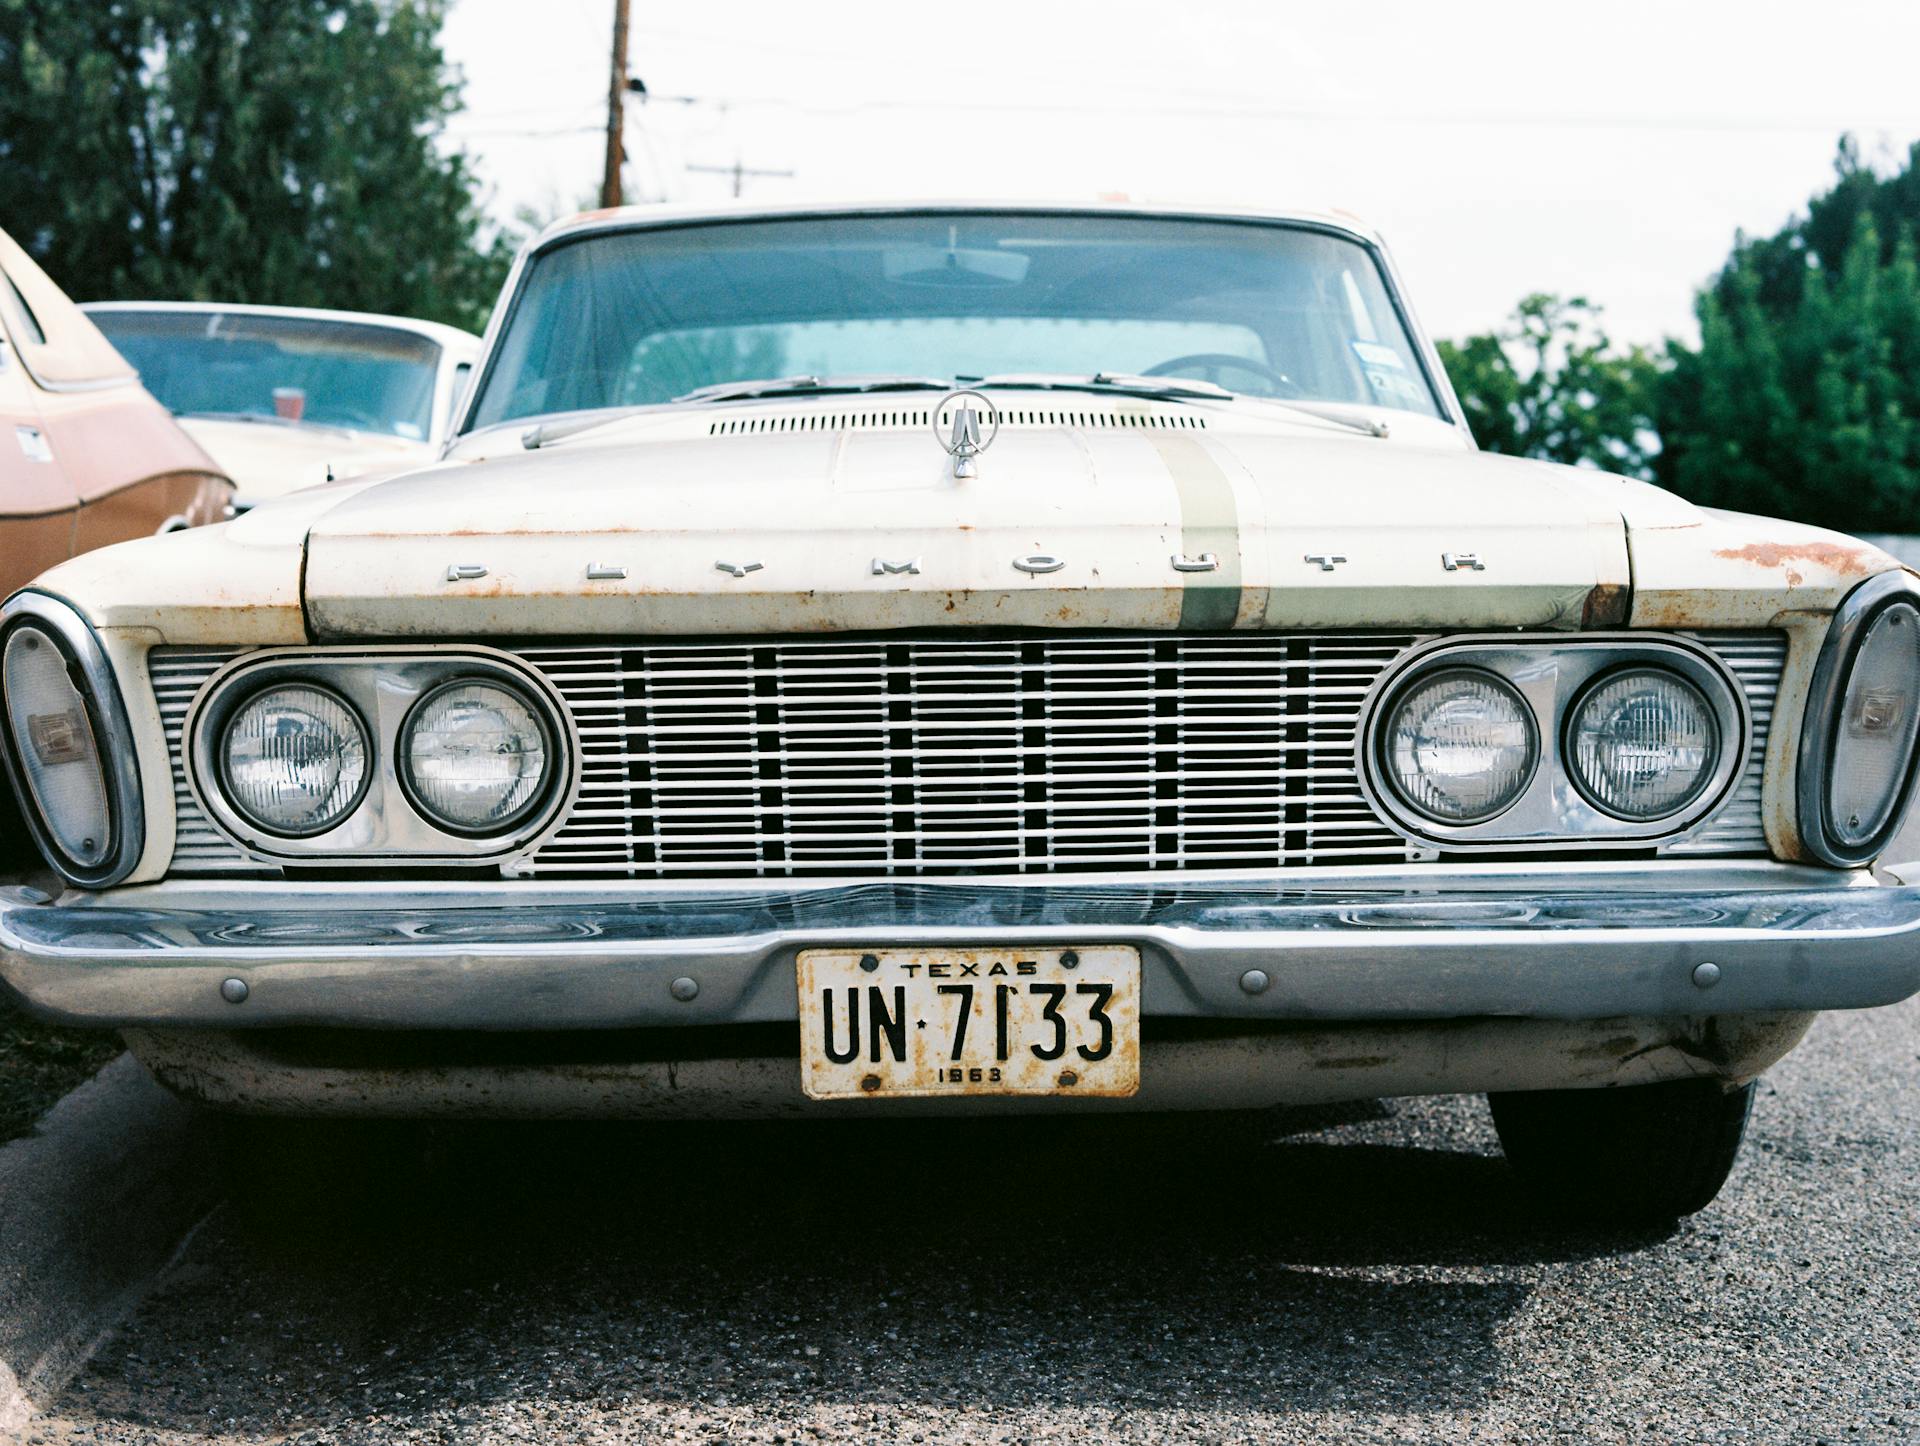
(926, 756)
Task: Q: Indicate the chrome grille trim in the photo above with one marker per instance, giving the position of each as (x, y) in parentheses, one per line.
(1089, 753)
(1757, 660)
(177, 675)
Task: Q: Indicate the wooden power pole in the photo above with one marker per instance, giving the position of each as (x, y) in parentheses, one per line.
(616, 118)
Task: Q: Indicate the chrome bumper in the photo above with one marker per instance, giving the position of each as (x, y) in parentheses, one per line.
(1425, 942)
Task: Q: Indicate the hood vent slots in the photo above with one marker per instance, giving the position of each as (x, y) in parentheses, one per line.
(898, 421)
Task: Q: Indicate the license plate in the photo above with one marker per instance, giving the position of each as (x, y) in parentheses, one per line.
(893, 1022)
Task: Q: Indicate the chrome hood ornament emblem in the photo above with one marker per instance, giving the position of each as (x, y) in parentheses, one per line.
(965, 441)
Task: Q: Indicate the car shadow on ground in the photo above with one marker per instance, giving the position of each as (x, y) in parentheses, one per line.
(1005, 1263)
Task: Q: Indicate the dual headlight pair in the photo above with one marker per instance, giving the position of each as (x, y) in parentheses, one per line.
(296, 759)
(1618, 741)
(419, 753)
(1462, 745)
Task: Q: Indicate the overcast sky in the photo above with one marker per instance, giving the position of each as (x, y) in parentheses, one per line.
(1503, 146)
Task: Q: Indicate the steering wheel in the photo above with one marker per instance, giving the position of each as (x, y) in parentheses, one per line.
(1212, 363)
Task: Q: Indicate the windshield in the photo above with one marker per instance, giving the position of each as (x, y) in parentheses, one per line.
(293, 369)
(626, 318)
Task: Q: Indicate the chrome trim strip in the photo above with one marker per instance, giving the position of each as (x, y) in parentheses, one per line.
(1825, 696)
(1427, 943)
(112, 730)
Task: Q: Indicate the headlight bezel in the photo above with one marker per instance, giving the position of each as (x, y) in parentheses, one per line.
(89, 669)
(382, 686)
(1825, 711)
(1551, 675)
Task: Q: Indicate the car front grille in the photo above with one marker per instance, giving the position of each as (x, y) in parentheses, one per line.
(926, 756)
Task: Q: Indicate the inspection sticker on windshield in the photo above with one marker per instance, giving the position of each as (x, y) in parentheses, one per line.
(1376, 355)
(876, 1023)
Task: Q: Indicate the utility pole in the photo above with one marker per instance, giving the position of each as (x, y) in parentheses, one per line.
(616, 118)
(739, 173)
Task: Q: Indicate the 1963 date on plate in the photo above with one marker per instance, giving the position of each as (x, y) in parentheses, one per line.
(954, 1021)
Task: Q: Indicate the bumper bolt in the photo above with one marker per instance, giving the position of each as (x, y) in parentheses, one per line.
(1255, 981)
(684, 988)
(1068, 1077)
(870, 1083)
(234, 991)
(869, 962)
(1706, 975)
(1070, 959)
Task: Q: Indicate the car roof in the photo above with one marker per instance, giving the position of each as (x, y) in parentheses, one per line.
(451, 337)
(660, 214)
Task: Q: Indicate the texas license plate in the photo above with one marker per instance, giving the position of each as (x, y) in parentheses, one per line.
(892, 1022)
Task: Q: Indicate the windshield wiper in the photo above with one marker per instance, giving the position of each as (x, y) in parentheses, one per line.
(805, 386)
(1115, 383)
(264, 420)
(545, 434)
(1372, 426)
(1169, 389)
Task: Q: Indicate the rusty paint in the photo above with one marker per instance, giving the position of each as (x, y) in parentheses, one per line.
(1270, 1063)
(1353, 1061)
(1606, 606)
(1856, 558)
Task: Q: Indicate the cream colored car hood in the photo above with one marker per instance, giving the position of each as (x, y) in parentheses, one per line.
(268, 459)
(806, 525)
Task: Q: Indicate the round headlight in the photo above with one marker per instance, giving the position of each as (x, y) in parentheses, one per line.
(1460, 745)
(1642, 743)
(294, 760)
(1874, 735)
(475, 756)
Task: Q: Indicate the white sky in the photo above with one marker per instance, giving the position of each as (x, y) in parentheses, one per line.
(1503, 146)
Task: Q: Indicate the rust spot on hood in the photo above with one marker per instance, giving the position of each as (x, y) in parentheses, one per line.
(1834, 556)
(1606, 605)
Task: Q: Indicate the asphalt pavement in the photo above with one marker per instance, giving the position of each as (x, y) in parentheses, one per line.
(1367, 1274)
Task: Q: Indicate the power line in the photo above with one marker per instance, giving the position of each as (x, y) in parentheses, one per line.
(1214, 111)
(739, 173)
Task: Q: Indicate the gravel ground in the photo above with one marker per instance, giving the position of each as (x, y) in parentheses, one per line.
(1365, 1275)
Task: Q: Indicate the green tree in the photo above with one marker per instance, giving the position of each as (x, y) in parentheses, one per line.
(283, 151)
(1803, 398)
(1552, 385)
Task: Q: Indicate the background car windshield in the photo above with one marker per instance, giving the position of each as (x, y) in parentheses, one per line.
(625, 318)
(304, 369)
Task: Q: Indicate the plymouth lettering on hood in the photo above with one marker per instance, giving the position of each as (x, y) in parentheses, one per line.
(1244, 520)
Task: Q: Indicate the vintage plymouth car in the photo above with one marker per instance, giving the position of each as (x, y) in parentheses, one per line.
(287, 397)
(974, 658)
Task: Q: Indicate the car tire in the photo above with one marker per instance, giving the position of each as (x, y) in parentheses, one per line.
(1636, 1155)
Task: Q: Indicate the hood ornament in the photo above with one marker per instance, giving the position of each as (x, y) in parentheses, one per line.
(965, 441)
